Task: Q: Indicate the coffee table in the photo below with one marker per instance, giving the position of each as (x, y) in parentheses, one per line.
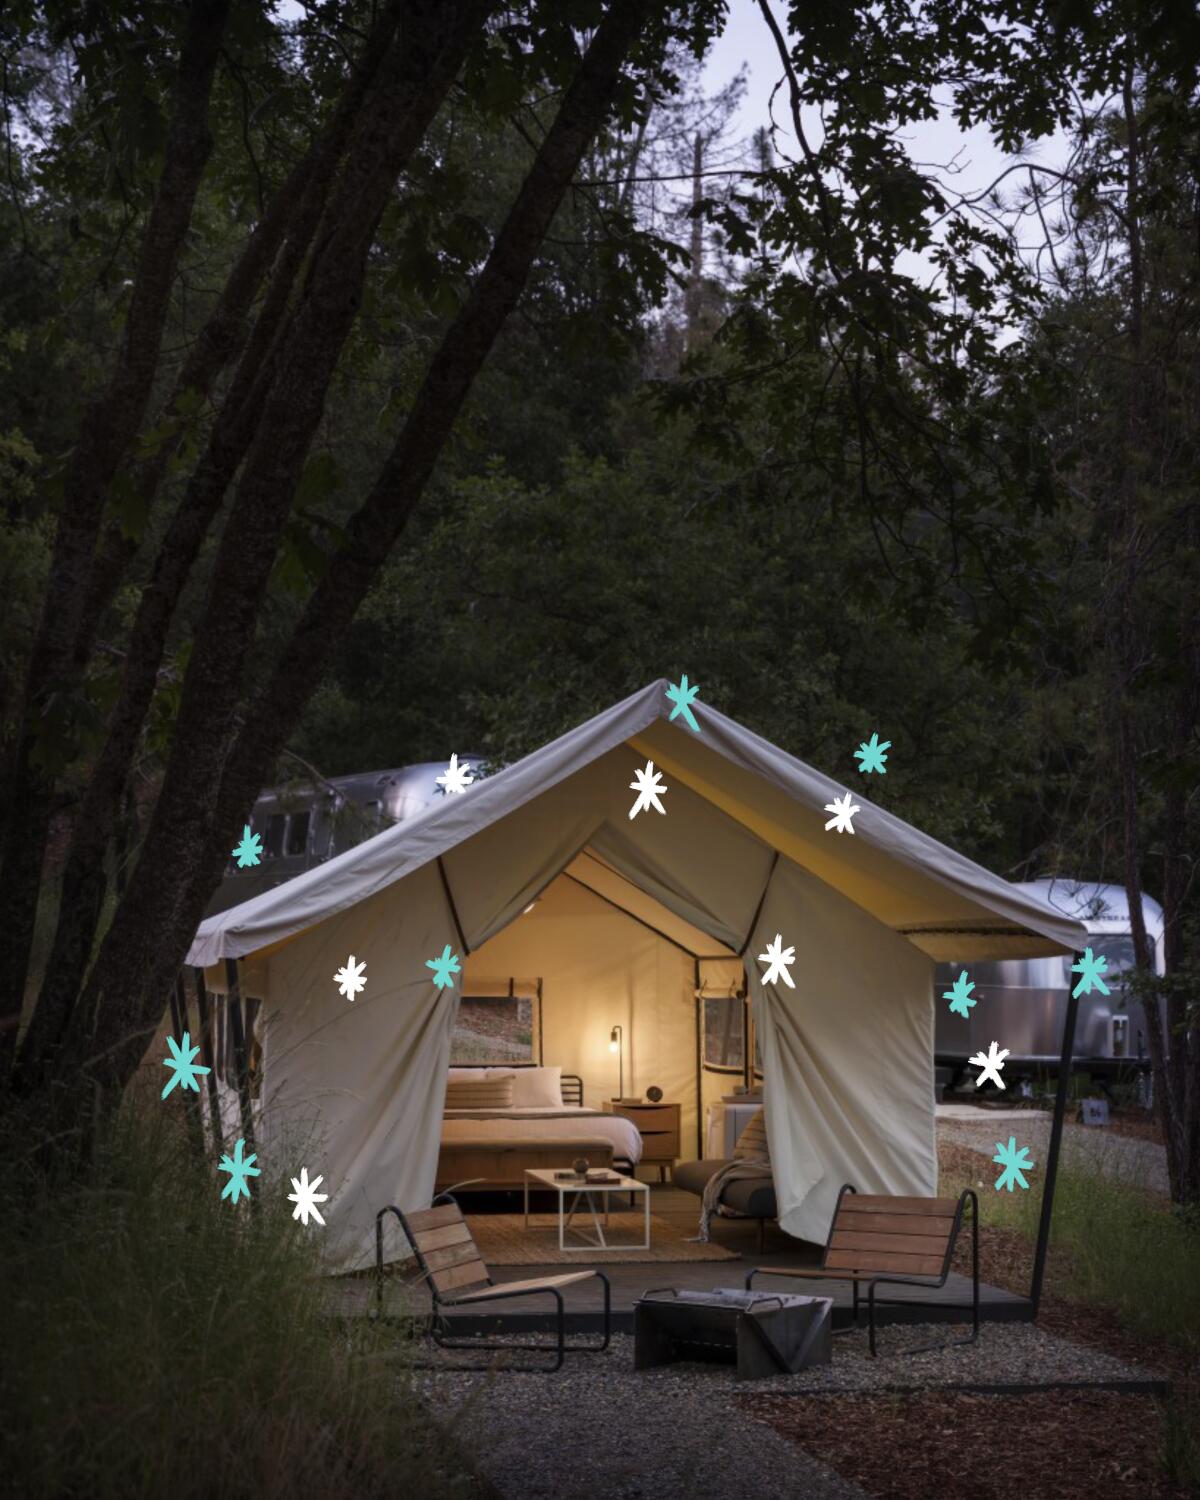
(579, 1190)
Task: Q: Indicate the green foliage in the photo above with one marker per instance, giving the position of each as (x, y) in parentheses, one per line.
(1114, 1244)
(160, 1342)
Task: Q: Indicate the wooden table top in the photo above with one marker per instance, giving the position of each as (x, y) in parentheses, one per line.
(544, 1177)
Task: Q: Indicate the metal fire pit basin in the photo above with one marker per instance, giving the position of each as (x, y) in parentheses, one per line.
(762, 1333)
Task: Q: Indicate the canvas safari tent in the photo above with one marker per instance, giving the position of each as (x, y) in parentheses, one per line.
(631, 917)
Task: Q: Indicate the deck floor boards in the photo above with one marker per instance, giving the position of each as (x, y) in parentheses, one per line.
(630, 1281)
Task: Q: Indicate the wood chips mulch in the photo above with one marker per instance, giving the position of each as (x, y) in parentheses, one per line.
(1072, 1445)
(1006, 1260)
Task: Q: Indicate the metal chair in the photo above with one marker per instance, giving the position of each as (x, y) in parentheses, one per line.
(454, 1271)
(885, 1240)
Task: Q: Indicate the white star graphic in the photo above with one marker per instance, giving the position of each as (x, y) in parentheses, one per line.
(778, 960)
(456, 778)
(306, 1197)
(646, 785)
(350, 978)
(843, 810)
(991, 1062)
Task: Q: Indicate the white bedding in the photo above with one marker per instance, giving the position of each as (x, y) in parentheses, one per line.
(569, 1123)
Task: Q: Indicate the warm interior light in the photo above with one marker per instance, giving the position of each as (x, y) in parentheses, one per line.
(530, 907)
(614, 1045)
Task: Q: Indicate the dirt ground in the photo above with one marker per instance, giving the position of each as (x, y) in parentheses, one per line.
(1072, 1445)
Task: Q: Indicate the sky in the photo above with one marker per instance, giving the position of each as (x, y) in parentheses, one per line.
(746, 39)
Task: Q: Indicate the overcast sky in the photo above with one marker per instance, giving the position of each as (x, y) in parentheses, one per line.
(747, 40)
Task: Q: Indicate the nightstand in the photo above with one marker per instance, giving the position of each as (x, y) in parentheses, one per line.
(658, 1125)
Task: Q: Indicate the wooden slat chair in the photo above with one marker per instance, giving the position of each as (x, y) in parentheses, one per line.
(457, 1277)
(886, 1240)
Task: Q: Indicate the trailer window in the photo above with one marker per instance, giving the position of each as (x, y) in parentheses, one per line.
(273, 838)
(1117, 947)
(297, 833)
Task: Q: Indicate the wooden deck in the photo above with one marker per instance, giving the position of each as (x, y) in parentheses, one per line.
(629, 1281)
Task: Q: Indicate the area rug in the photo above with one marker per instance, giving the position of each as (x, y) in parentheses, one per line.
(503, 1240)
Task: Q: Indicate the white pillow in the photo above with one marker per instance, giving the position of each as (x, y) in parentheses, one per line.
(535, 1088)
(472, 1074)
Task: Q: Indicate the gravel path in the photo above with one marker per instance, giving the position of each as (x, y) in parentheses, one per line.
(1091, 1148)
(600, 1430)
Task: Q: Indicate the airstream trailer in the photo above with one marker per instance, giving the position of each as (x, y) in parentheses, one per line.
(307, 822)
(1023, 1002)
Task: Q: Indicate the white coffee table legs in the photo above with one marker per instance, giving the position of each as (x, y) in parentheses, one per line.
(566, 1218)
(583, 1203)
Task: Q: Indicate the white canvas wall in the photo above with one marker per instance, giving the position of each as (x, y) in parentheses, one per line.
(847, 1053)
(355, 1090)
(599, 968)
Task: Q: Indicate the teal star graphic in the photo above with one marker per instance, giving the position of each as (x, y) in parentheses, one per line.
(960, 996)
(1014, 1162)
(181, 1060)
(870, 755)
(683, 697)
(1089, 968)
(249, 851)
(239, 1171)
(443, 968)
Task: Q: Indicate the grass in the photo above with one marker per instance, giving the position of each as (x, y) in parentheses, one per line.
(1118, 1246)
(159, 1341)
(1115, 1244)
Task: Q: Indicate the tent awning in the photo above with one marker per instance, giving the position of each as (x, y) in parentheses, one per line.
(942, 902)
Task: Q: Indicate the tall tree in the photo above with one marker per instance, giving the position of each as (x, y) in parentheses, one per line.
(323, 227)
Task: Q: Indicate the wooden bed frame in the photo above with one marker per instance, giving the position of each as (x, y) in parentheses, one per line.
(492, 1165)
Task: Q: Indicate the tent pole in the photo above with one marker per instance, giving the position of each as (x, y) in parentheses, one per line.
(239, 1050)
(625, 912)
(191, 1102)
(699, 1003)
(206, 1056)
(458, 927)
(762, 900)
(1056, 1130)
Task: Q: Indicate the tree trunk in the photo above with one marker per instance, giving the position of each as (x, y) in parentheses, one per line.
(412, 86)
(1170, 1073)
(109, 426)
(294, 218)
(153, 941)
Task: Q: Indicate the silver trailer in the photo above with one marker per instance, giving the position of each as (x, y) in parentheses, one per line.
(1023, 1002)
(309, 821)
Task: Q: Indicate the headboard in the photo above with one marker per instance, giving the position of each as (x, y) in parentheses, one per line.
(572, 1089)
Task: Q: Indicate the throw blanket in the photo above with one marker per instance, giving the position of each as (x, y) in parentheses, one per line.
(732, 1171)
(751, 1162)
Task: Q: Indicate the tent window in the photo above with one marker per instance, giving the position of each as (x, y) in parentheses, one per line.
(493, 1029)
(724, 1034)
(224, 1059)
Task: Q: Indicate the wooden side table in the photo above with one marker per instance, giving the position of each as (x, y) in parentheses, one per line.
(658, 1125)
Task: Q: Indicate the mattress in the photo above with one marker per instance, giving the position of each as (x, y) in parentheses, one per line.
(568, 1124)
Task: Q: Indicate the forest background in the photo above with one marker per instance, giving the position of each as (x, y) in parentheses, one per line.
(714, 428)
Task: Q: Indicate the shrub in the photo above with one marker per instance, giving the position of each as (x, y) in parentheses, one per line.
(161, 1341)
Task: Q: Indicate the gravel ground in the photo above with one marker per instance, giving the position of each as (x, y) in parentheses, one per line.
(599, 1429)
(1125, 1158)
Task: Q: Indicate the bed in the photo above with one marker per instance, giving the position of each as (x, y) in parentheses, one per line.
(500, 1145)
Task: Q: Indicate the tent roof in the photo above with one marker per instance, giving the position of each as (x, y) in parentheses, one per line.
(944, 903)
